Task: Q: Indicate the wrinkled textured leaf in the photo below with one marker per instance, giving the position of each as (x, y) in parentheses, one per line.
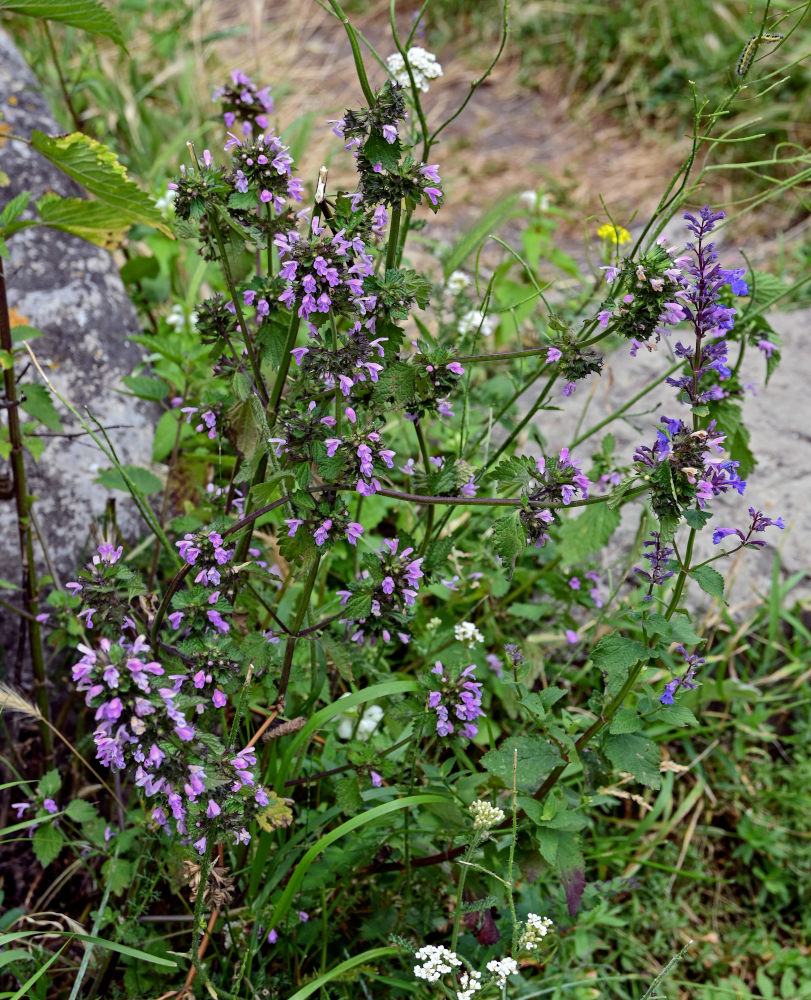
(89, 15)
(615, 656)
(97, 169)
(635, 754)
(536, 760)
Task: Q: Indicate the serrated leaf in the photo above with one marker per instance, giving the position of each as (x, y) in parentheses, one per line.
(710, 580)
(677, 715)
(437, 553)
(614, 656)
(246, 426)
(626, 720)
(377, 150)
(47, 842)
(49, 784)
(38, 404)
(88, 15)
(81, 811)
(339, 656)
(347, 795)
(635, 754)
(697, 518)
(658, 625)
(682, 631)
(358, 606)
(275, 486)
(15, 207)
(537, 758)
(616, 495)
(477, 905)
(94, 221)
(97, 169)
(509, 537)
(513, 471)
(588, 533)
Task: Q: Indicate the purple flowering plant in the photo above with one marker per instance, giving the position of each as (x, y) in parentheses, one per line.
(364, 544)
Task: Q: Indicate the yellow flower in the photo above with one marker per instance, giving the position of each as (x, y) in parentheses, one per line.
(616, 234)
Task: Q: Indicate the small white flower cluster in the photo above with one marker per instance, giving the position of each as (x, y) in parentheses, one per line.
(369, 721)
(485, 815)
(501, 968)
(437, 960)
(467, 633)
(179, 321)
(475, 320)
(470, 983)
(534, 932)
(457, 282)
(165, 204)
(423, 64)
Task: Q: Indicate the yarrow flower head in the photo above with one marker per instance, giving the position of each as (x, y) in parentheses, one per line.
(467, 633)
(535, 930)
(485, 816)
(424, 67)
(501, 968)
(475, 321)
(436, 961)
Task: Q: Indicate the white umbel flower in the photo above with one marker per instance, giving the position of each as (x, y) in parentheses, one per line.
(485, 815)
(424, 67)
(501, 968)
(437, 961)
(476, 320)
(534, 932)
(470, 983)
(467, 633)
(457, 282)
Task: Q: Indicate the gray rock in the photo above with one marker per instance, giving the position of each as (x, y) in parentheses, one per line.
(71, 291)
(779, 419)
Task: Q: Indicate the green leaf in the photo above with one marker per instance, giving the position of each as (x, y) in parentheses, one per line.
(340, 970)
(559, 848)
(81, 811)
(93, 221)
(49, 784)
(8, 585)
(96, 168)
(276, 485)
(377, 150)
(626, 720)
(472, 238)
(637, 755)
(681, 630)
(89, 15)
(340, 657)
(347, 795)
(246, 426)
(588, 533)
(358, 606)
(697, 518)
(615, 656)
(38, 404)
(47, 842)
(143, 481)
(118, 874)
(615, 497)
(537, 758)
(710, 580)
(509, 537)
(146, 387)
(14, 208)
(676, 715)
(166, 435)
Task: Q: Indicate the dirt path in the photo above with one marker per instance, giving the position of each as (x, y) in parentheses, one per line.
(510, 138)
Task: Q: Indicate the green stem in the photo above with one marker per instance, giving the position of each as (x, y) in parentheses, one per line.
(457, 917)
(23, 501)
(429, 523)
(284, 368)
(394, 235)
(304, 604)
(682, 577)
(360, 69)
